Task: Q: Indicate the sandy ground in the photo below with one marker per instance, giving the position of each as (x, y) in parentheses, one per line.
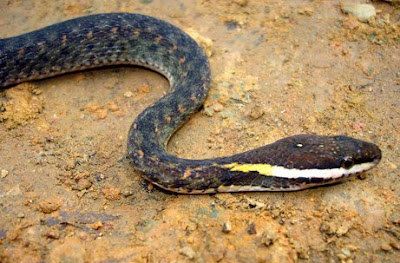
(68, 194)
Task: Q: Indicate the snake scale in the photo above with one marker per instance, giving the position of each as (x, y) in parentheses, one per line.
(292, 163)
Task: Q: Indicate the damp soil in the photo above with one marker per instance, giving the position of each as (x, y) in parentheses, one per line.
(279, 68)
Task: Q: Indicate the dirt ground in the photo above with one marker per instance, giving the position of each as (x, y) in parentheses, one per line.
(68, 194)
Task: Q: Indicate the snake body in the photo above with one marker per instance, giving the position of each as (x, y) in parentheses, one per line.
(292, 163)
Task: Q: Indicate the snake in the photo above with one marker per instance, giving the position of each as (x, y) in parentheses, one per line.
(111, 39)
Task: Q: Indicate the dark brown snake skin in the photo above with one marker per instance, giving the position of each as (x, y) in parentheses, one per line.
(132, 39)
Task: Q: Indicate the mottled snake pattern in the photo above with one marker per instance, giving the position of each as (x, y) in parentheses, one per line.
(94, 41)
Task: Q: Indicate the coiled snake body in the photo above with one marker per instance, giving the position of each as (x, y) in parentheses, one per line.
(291, 163)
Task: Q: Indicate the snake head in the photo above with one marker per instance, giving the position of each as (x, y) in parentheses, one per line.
(303, 161)
(326, 152)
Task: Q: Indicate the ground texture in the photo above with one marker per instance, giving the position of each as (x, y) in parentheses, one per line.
(68, 194)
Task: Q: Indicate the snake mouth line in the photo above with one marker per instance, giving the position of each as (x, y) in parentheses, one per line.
(280, 171)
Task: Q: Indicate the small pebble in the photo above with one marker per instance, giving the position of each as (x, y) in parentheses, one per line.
(188, 252)
(83, 184)
(128, 94)
(346, 252)
(96, 226)
(101, 113)
(269, 237)
(53, 235)
(308, 11)
(13, 234)
(342, 257)
(209, 112)
(362, 11)
(386, 247)
(255, 113)
(218, 107)
(302, 253)
(241, 3)
(36, 91)
(3, 173)
(227, 227)
(20, 215)
(15, 191)
(255, 204)
(48, 206)
(395, 245)
(112, 106)
(251, 229)
(111, 193)
(92, 107)
(128, 191)
(342, 230)
(236, 97)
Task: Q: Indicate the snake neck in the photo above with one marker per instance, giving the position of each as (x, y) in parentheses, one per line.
(149, 134)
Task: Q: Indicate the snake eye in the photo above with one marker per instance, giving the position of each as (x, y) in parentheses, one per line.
(347, 162)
